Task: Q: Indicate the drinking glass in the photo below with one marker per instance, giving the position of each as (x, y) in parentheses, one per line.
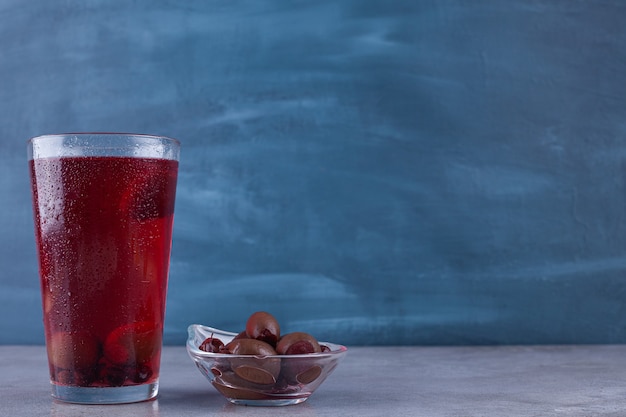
(103, 208)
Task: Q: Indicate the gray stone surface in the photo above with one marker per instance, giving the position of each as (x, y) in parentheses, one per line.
(372, 381)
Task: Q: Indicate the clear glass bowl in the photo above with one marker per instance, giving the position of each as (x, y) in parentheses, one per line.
(261, 380)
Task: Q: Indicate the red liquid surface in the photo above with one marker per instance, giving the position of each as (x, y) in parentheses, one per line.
(103, 229)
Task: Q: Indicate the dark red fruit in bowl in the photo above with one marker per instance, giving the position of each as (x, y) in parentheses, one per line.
(241, 335)
(263, 326)
(258, 368)
(250, 347)
(212, 345)
(297, 343)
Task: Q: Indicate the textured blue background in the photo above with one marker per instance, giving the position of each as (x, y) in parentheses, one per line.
(371, 171)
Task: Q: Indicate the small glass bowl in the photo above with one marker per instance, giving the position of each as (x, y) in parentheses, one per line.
(261, 380)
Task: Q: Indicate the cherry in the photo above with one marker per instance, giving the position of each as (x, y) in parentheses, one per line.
(263, 326)
(64, 377)
(230, 391)
(120, 374)
(257, 368)
(133, 343)
(241, 335)
(112, 374)
(68, 350)
(310, 375)
(250, 347)
(297, 343)
(212, 344)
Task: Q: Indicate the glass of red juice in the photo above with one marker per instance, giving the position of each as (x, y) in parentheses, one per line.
(103, 208)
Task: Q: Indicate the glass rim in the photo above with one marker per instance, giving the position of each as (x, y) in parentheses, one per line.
(82, 144)
(102, 134)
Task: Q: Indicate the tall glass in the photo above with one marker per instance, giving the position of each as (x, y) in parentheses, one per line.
(104, 207)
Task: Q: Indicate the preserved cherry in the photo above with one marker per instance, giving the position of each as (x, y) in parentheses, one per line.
(263, 326)
(252, 367)
(262, 337)
(297, 343)
(241, 335)
(250, 347)
(68, 350)
(256, 369)
(212, 344)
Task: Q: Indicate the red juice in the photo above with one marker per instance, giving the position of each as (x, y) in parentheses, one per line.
(103, 228)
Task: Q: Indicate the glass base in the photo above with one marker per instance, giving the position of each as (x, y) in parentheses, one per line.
(105, 395)
(268, 403)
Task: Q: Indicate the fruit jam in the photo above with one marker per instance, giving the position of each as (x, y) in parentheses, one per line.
(103, 228)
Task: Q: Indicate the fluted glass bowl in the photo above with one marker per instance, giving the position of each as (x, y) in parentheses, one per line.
(261, 380)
